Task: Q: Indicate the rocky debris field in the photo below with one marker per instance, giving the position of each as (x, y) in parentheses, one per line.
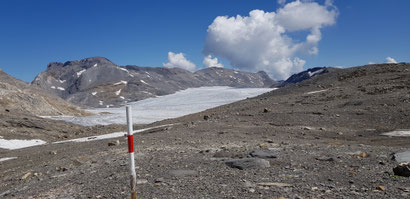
(320, 138)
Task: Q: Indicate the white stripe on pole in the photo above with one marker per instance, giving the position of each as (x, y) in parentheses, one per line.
(131, 153)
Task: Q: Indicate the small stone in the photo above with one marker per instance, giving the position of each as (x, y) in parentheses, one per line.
(53, 152)
(402, 157)
(402, 169)
(249, 184)
(25, 176)
(381, 188)
(325, 159)
(142, 181)
(307, 128)
(248, 163)
(263, 154)
(314, 188)
(405, 189)
(61, 169)
(251, 190)
(114, 143)
(263, 145)
(159, 180)
(359, 154)
(265, 110)
(206, 117)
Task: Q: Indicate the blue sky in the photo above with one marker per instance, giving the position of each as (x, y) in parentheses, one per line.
(34, 33)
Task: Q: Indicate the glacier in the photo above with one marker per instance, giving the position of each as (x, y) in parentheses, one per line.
(181, 103)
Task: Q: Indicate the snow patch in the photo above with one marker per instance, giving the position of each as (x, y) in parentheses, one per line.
(7, 158)
(118, 92)
(314, 73)
(80, 72)
(18, 144)
(53, 87)
(95, 65)
(122, 97)
(61, 88)
(94, 93)
(313, 92)
(61, 81)
(121, 82)
(100, 103)
(398, 133)
(144, 82)
(123, 69)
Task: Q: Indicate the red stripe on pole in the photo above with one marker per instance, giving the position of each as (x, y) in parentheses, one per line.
(130, 143)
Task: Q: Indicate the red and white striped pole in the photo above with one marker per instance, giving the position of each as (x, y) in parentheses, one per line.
(131, 152)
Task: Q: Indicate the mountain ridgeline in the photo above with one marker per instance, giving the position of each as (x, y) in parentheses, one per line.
(98, 82)
(18, 97)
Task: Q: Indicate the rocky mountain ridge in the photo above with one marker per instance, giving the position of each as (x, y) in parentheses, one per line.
(19, 96)
(98, 82)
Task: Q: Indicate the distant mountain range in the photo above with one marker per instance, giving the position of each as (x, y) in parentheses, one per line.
(98, 82)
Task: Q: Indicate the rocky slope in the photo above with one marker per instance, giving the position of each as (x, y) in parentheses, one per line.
(97, 82)
(320, 138)
(18, 96)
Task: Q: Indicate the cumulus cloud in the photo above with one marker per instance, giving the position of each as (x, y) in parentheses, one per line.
(281, 2)
(178, 60)
(261, 41)
(211, 62)
(390, 60)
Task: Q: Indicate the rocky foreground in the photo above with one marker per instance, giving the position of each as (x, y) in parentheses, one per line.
(320, 138)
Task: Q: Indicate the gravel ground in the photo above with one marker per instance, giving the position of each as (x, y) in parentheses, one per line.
(289, 143)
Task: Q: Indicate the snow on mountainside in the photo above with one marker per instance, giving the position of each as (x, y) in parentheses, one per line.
(98, 82)
(304, 75)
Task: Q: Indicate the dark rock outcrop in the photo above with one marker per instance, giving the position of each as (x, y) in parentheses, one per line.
(302, 76)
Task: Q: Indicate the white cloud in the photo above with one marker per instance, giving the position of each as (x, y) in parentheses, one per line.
(370, 62)
(281, 2)
(178, 60)
(260, 41)
(211, 62)
(390, 60)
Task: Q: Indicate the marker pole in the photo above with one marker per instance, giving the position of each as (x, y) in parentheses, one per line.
(131, 153)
